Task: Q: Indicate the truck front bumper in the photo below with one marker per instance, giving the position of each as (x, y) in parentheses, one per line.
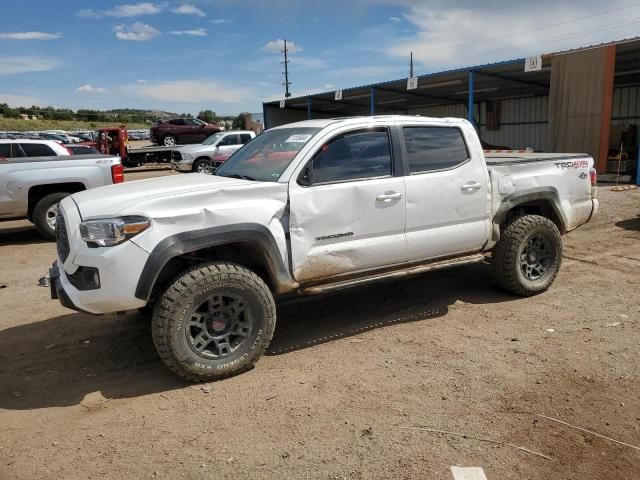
(57, 290)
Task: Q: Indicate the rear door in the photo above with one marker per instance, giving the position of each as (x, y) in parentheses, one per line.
(448, 202)
(347, 208)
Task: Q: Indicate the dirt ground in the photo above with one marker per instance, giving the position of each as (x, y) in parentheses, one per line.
(348, 380)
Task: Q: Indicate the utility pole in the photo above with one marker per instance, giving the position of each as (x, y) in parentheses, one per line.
(411, 66)
(286, 83)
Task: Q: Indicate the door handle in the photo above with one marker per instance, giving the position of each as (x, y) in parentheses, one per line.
(470, 187)
(387, 197)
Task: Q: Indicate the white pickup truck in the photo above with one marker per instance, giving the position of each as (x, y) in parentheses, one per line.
(308, 208)
(32, 187)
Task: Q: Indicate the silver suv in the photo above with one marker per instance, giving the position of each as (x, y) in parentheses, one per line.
(211, 153)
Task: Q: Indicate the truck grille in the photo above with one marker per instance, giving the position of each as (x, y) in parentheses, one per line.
(62, 238)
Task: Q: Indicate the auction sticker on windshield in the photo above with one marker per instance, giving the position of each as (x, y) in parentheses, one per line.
(298, 138)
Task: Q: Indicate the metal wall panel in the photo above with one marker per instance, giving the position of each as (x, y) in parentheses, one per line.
(523, 121)
(281, 116)
(626, 105)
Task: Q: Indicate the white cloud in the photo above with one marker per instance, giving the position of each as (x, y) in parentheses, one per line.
(124, 11)
(450, 37)
(187, 9)
(29, 36)
(329, 86)
(277, 46)
(191, 91)
(220, 21)
(135, 10)
(137, 32)
(26, 64)
(141, 80)
(196, 32)
(395, 19)
(19, 100)
(88, 88)
(88, 13)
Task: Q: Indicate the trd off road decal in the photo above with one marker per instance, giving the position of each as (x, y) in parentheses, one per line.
(572, 165)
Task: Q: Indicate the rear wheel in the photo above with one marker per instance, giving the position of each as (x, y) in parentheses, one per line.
(169, 140)
(202, 165)
(214, 321)
(527, 258)
(45, 212)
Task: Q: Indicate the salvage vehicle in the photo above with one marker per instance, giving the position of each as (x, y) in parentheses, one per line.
(27, 147)
(115, 141)
(308, 208)
(211, 153)
(182, 130)
(32, 187)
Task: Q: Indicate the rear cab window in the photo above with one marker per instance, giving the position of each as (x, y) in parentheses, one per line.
(37, 150)
(431, 148)
(5, 150)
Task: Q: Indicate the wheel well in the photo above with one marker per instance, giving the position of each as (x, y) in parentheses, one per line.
(541, 207)
(40, 191)
(242, 253)
(200, 158)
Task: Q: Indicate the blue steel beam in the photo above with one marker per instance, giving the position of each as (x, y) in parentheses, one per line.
(471, 105)
(309, 108)
(373, 101)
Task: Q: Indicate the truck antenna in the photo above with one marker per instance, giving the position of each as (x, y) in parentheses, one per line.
(286, 83)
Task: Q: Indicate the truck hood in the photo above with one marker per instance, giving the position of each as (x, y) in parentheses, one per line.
(138, 197)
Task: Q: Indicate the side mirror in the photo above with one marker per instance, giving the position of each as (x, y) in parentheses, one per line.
(306, 176)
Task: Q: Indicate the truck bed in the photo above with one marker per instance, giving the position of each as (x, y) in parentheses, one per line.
(495, 159)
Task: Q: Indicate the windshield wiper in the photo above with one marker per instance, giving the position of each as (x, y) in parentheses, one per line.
(241, 177)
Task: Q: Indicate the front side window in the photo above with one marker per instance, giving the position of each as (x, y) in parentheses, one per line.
(229, 140)
(434, 148)
(177, 121)
(353, 156)
(37, 150)
(213, 139)
(268, 155)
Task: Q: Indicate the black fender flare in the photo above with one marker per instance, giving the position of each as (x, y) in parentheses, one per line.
(547, 194)
(186, 242)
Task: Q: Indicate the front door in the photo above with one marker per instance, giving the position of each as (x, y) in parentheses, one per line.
(448, 204)
(347, 210)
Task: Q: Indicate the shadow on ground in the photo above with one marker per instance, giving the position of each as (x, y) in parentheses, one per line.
(23, 235)
(57, 362)
(629, 224)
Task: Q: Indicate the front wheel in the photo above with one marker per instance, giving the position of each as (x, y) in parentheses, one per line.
(45, 213)
(214, 321)
(202, 165)
(528, 255)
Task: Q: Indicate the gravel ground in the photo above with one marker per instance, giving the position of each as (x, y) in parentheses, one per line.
(349, 380)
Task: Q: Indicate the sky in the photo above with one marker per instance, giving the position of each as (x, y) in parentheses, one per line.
(224, 55)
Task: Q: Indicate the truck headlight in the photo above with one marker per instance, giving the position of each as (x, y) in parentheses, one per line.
(107, 232)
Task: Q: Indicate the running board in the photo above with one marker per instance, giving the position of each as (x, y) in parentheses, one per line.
(405, 272)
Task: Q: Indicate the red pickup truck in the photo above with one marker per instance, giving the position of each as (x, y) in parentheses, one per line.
(182, 130)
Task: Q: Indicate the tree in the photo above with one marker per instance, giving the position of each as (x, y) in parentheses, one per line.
(208, 116)
(238, 122)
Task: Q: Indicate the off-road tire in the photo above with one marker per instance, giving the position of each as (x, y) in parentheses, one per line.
(175, 309)
(507, 257)
(41, 212)
(202, 161)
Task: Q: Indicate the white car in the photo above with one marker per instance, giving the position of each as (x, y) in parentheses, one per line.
(210, 154)
(308, 208)
(31, 148)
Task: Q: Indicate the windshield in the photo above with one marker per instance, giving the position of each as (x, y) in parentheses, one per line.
(213, 139)
(268, 155)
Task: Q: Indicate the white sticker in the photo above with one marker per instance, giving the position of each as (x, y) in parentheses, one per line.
(298, 138)
(533, 64)
(282, 103)
(412, 83)
(338, 95)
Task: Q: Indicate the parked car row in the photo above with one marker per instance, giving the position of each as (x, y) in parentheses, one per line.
(29, 147)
